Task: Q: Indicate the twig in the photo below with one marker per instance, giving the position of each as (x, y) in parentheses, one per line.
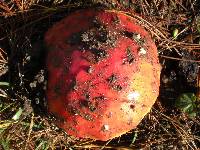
(30, 130)
(180, 59)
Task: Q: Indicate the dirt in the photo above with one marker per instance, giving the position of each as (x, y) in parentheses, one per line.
(95, 42)
(177, 77)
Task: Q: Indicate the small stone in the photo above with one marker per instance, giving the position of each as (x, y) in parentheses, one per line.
(90, 69)
(142, 51)
(105, 127)
(33, 84)
(37, 100)
(137, 37)
(40, 79)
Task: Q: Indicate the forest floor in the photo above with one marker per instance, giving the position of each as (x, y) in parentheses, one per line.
(174, 120)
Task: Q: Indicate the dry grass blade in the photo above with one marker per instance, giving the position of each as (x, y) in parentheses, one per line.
(3, 93)
(3, 62)
(181, 59)
(20, 4)
(198, 84)
(12, 7)
(5, 10)
(183, 133)
(30, 130)
(99, 147)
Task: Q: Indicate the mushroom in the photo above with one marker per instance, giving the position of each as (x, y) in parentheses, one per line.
(103, 73)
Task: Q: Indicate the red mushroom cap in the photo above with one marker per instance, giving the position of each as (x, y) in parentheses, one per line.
(103, 73)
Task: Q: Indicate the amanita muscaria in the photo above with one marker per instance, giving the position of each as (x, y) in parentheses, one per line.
(103, 73)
